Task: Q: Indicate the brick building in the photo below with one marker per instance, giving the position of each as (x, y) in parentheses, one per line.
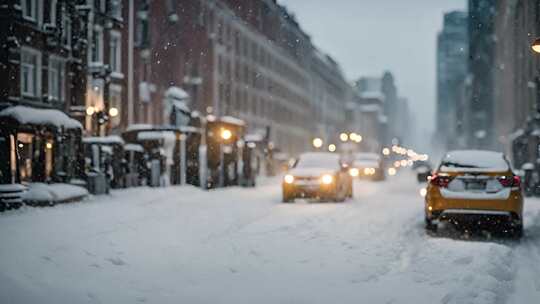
(246, 59)
(40, 78)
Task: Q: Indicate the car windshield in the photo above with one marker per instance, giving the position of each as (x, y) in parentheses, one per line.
(318, 160)
(269, 151)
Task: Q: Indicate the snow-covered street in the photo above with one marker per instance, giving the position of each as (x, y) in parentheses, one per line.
(237, 245)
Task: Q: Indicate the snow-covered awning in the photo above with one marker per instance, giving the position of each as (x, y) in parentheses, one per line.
(138, 127)
(34, 116)
(106, 140)
(233, 121)
(133, 147)
(156, 135)
(254, 137)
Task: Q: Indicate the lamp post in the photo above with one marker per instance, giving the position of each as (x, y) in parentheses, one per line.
(225, 135)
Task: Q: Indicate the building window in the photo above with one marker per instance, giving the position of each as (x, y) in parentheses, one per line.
(66, 30)
(141, 33)
(116, 52)
(30, 9)
(51, 17)
(116, 9)
(115, 104)
(57, 78)
(97, 45)
(30, 72)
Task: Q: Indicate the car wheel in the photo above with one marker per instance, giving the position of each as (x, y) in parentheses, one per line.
(287, 198)
(517, 232)
(430, 226)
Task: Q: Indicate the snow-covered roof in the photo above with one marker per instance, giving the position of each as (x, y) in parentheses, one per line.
(254, 137)
(111, 139)
(137, 127)
(133, 147)
(233, 120)
(188, 129)
(156, 135)
(35, 116)
(474, 160)
(176, 93)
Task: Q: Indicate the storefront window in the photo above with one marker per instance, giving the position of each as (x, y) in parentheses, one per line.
(25, 151)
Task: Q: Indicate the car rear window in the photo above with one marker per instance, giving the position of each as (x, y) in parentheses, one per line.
(474, 160)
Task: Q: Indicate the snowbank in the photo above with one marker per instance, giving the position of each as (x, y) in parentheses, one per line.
(41, 193)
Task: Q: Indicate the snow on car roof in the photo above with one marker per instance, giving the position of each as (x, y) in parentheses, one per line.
(474, 160)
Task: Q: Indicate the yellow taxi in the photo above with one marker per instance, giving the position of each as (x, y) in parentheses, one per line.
(475, 187)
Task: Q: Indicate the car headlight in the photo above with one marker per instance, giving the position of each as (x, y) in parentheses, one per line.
(354, 172)
(327, 179)
(289, 179)
(367, 171)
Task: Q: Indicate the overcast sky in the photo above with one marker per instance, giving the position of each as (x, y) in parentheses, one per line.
(367, 37)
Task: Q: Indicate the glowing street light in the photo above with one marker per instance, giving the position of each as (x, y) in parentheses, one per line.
(317, 143)
(226, 134)
(386, 151)
(113, 112)
(343, 137)
(332, 148)
(535, 46)
(90, 111)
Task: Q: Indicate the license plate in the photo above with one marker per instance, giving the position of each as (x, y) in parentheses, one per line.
(476, 185)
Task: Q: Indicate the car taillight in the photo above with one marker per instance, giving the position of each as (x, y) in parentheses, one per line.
(510, 181)
(441, 181)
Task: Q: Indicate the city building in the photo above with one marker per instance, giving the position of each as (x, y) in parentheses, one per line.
(41, 77)
(452, 50)
(105, 102)
(479, 113)
(249, 59)
(517, 78)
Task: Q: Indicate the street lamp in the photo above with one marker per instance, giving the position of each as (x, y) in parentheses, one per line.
(90, 111)
(113, 112)
(535, 46)
(317, 143)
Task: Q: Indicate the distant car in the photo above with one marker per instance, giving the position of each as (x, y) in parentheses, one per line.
(475, 187)
(423, 171)
(317, 175)
(367, 165)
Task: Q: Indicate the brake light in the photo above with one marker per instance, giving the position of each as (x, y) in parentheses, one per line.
(440, 181)
(510, 181)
